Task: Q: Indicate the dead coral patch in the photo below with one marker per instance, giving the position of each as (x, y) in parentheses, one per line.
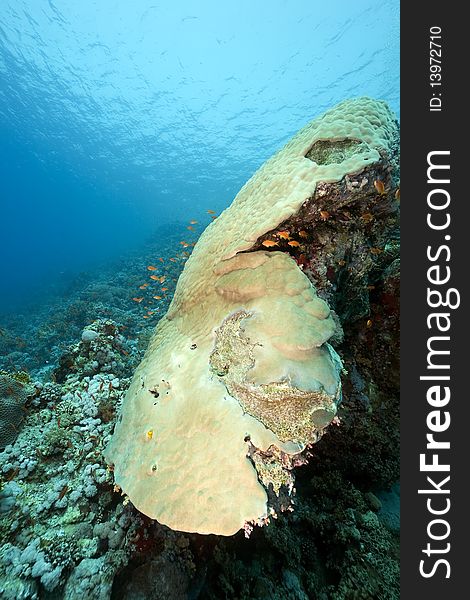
(326, 152)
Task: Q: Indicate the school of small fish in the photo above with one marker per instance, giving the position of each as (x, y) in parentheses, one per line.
(283, 238)
(158, 278)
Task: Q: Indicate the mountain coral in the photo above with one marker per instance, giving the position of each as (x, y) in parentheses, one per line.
(242, 362)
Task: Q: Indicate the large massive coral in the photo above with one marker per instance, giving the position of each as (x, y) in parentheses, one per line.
(239, 377)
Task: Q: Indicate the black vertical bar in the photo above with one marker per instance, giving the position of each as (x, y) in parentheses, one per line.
(434, 120)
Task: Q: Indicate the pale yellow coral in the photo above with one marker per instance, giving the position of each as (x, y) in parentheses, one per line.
(242, 352)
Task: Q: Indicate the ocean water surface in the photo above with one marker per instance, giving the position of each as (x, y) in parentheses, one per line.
(116, 118)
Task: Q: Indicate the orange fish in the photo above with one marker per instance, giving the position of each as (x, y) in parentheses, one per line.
(164, 289)
(325, 215)
(142, 287)
(173, 259)
(155, 277)
(193, 222)
(160, 259)
(190, 227)
(294, 243)
(213, 217)
(157, 297)
(162, 278)
(137, 299)
(151, 268)
(303, 233)
(269, 243)
(211, 212)
(284, 235)
(145, 316)
(379, 186)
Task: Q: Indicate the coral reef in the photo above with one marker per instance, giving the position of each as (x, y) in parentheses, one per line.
(242, 356)
(68, 531)
(35, 339)
(63, 526)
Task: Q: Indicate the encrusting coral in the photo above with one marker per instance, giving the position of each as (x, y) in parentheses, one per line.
(241, 364)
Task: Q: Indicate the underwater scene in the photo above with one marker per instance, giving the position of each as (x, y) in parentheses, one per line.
(199, 308)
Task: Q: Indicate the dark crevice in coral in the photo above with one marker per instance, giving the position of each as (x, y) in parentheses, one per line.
(279, 482)
(344, 236)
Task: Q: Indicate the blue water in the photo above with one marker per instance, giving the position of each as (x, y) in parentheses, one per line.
(119, 117)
